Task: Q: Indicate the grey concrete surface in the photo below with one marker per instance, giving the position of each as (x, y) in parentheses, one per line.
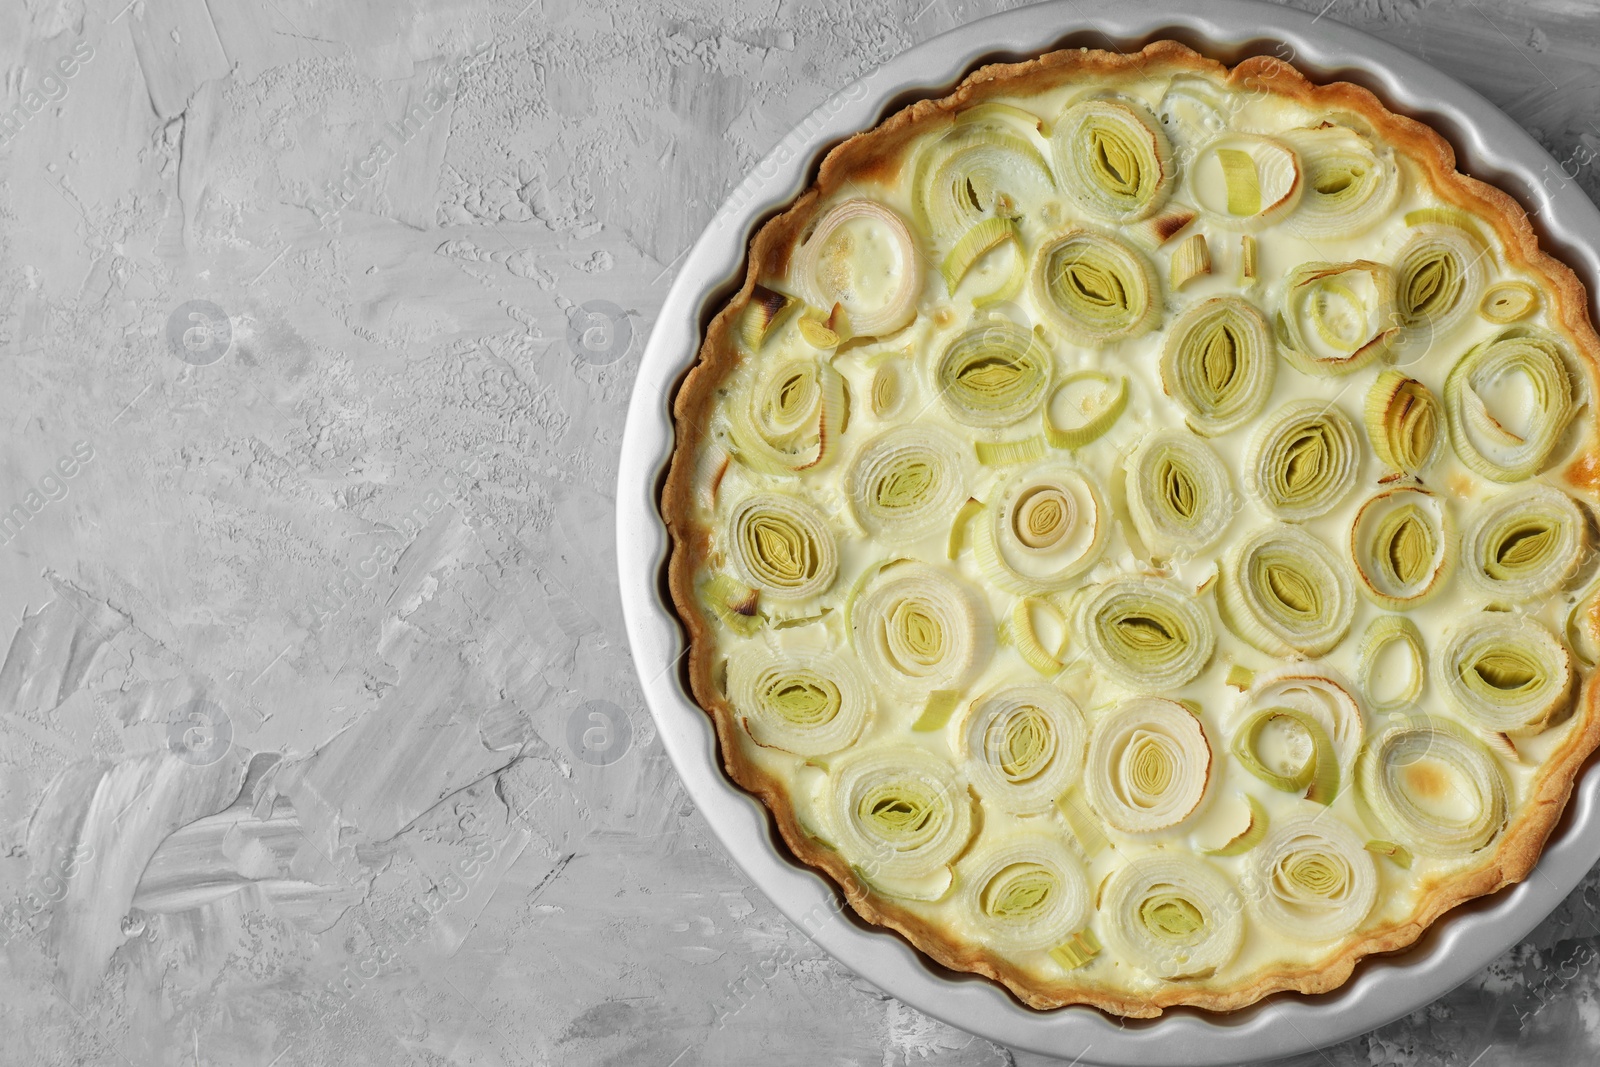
(319, 738)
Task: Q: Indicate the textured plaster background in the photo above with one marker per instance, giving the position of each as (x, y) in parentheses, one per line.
(319, 738)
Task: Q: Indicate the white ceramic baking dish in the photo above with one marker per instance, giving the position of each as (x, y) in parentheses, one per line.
(1489, 146)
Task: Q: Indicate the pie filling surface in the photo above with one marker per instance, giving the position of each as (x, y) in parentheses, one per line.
(1134, 529)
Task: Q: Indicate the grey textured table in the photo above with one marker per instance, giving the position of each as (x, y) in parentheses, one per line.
(319, 739)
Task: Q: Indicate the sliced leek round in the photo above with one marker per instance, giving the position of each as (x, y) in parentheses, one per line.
(1439, 278)
(1113, 159)
(791, 417)
(1047, 526)
(1179, 494)
(1432, 787)
(1392, 662)
(1025, 890)
(1525, 543)
(1506, 302)
(808, 703)
(898, 813)
(1349, 184)
(985, 167)
(1193, 111)
(1290, 751)
(906, 482)
(1095, 289)
(1023, 747)
(1246, 182)
(1148, 765)
(1146, 634)
(1219, 363)
(1286, 593)
(1403, 545)
(994, 374)
(1510, 442)
(1403, 419)
(918, 630)
(861, 256)
(1093, 401)
(1173, 916)
(1303, 460)
(1313, 879)
(1337, 317)
(783, 546)
(1323, 698)
(1504, 672)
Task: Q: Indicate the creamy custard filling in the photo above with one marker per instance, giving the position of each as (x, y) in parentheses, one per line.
(1136, 633)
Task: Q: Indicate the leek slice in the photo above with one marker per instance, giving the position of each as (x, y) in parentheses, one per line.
(1095, 289)
(1402, 857)
(1337, 317)
(1285, 593)
(1048, 525)
(762, 316)
(1525, 543)
(1193, 110)
(735, 604)
(1077, 951)
(994, 374)
(1096, 412)
(861, 256)
(1190, 261)
(1377, 682)
(1246, 182)
(1010, 453)
(1024, 635)
(782, 546)
(1403, 417)
(1349, 185)
(1434, 788)
(1323, 699)
(1173, 916)
(906, 482)
(1289, 750)
(917, 630)
(984, 237)
(1145, 633)
(1403, 545)
(1313, 879)
(984, 167)
(1022, 747)
(1303, 460)
(1113, 158)
(1510, 446)
(898, 813)
(958, 528)
(1148, 765)
(1179, 494)
(1252, 835)
(789, 420)
(1439, 278)
(1506, 302)
(807, 703)
(886, 391)
(1025, 891)
(1583, 624)
(1505, 673)
(1219, 363)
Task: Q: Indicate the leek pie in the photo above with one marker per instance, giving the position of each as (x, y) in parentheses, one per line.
(1134, 529)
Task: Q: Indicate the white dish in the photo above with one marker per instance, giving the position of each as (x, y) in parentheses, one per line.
(1489, 145)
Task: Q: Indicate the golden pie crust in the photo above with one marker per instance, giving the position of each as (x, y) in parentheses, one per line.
(878, 156)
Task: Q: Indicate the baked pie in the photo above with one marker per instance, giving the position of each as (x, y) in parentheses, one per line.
(1134, 529)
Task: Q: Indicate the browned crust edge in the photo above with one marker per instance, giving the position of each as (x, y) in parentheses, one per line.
(875, 155)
